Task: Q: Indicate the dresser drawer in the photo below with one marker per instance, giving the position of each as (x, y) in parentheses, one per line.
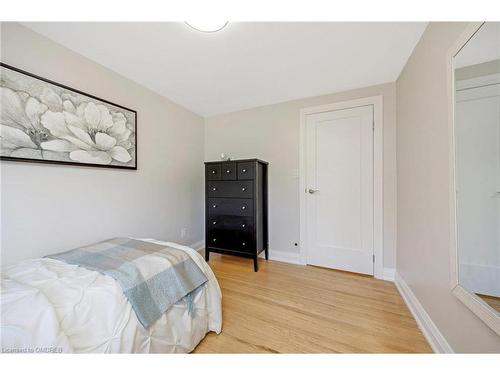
(230, 222)
(236, 208)
(230, 206)
(213, 171)
(246, 171)
(228, 171)
(230, 189)
(231, 240)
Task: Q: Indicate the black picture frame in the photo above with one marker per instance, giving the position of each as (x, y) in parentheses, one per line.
(19, 159)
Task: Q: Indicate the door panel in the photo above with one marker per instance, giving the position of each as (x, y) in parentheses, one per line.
(339, 161)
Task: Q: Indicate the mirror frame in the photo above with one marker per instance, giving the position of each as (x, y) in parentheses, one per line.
(472, 301)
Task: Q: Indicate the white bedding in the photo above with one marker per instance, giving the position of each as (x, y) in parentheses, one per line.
(51, 306)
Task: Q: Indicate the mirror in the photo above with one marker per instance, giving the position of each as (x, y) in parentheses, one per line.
(477, 167)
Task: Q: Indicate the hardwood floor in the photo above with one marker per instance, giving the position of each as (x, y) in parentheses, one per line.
(287, 308)
(491, 300)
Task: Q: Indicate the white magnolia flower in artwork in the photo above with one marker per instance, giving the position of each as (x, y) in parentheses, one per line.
(21, 133)
(97, 135)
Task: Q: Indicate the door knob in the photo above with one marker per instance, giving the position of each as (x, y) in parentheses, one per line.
(312, 191)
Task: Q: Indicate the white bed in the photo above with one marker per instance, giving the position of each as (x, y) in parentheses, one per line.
(50, 306)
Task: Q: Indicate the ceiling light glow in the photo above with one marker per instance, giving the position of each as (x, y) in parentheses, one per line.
(207, 26)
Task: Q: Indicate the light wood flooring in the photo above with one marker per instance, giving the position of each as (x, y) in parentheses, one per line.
(287, 308)
(491, 300)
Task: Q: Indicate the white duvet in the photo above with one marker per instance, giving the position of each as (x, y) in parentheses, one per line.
(50, 306)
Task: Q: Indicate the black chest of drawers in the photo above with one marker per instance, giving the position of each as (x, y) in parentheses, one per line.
(236, 208)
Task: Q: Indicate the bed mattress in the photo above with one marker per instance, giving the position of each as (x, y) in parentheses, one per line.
(51, 306)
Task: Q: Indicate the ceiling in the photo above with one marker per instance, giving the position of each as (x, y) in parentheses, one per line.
(246, 64)
(484, 46)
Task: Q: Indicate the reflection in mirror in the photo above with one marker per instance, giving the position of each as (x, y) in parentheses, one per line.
(477, 168)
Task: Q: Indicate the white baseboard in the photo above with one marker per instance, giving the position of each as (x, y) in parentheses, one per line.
(388, 274)
(283, 256)
(434, 337)
(293, 258)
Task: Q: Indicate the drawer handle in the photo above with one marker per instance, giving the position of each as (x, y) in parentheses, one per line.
(244, 171)
(214, 189)
(228, 171)
(213, 172)
(243, 225)
(243, 243)
(244, 208)
(214, 206)
(243, 189)
(214, 222)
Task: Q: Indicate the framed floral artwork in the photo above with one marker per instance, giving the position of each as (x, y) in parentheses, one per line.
(44, 121)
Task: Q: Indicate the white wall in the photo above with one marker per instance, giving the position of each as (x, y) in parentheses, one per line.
(423, 220)
(51, 208)
(271, 133)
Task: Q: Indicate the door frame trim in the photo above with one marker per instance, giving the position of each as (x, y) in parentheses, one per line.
(378, 178)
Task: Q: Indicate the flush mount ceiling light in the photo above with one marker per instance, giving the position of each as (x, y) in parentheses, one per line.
(207, 26)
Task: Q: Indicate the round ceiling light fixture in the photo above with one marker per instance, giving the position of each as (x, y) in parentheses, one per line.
(207, 26)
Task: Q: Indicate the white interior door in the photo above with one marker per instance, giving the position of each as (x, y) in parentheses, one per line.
(339, 180)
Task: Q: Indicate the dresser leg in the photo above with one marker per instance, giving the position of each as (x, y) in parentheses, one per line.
(207, 255)
(267, 253)
(255, 264)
